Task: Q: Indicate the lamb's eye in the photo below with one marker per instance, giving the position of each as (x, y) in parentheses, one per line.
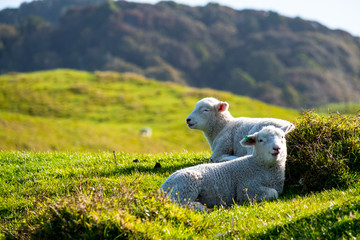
(205, 110)
(260, 140)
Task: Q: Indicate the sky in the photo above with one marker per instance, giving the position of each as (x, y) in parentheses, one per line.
(334, 14)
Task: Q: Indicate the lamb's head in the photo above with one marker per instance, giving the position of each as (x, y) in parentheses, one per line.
(206, 110)
(270, 144)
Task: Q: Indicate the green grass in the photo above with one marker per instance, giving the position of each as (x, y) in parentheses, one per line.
(83, 191)
(66, 110)
(94, 196)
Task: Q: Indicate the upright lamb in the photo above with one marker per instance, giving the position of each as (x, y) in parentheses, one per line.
(223, 132)
(259, 176)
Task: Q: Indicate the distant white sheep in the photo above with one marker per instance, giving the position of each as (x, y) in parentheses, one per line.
(145, 132)
(223, 132)
(259, 176)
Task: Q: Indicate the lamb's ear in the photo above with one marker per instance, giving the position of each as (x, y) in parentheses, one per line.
(288, 128)
(222, 107)
(248, 140)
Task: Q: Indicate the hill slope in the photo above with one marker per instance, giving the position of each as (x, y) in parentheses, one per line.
(284, 61)
(68, 110)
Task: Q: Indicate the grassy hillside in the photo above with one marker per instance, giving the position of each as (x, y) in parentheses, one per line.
(68, 110)
(99, 195)
(92, 196)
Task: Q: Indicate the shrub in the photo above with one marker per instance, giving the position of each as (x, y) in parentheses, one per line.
(323, 152)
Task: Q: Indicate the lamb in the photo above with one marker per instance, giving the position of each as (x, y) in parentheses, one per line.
(223, 131)
(259, 176)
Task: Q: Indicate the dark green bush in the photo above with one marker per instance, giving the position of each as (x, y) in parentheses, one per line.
(323, 152)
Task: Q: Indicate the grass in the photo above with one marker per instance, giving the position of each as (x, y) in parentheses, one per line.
(352, 108)
(60, 179)
(67, 110)
(94, 196)
(324, 152)
(108, 195)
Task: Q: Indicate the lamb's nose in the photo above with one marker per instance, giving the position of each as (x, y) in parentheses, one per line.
(188, 120)
(276, 148)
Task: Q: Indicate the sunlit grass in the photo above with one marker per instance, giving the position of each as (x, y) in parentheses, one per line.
(74, 166)
(68, 110)
(83, 195)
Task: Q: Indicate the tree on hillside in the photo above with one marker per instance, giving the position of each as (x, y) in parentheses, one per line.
(264, 66)
(287, 61)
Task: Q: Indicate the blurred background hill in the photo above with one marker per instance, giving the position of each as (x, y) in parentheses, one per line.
(280, 60)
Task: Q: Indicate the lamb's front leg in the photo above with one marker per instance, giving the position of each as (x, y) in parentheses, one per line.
(222, 150)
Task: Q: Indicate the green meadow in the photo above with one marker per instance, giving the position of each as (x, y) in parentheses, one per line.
(66, 110)
(73, 165)
(98, 196)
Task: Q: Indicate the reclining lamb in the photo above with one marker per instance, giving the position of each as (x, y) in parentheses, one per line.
(223, 132)
(259, 176)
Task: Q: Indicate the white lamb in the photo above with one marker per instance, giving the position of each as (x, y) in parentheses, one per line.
(223, 132)
(259, 176)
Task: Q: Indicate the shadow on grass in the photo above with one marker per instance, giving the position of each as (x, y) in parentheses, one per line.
(128, 170)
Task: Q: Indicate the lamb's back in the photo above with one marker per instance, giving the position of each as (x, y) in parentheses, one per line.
(242, 126)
